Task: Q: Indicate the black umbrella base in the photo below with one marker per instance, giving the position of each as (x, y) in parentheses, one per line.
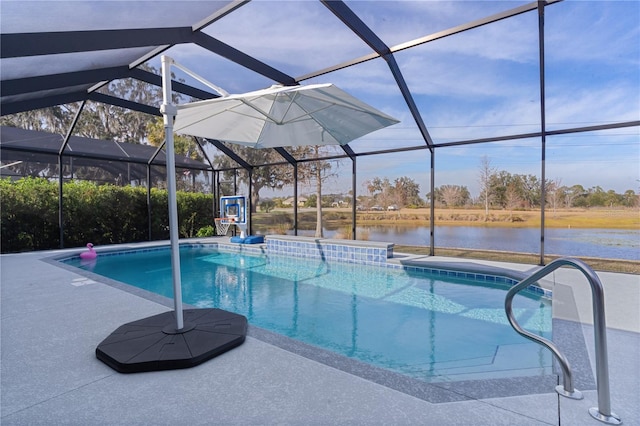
(153, 343)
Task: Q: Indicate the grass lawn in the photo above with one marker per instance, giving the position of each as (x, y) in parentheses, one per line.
(598, 264)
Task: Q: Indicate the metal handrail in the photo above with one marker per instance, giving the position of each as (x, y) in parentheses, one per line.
(603, 411)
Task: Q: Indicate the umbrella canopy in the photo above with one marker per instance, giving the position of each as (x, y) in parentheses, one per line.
(319, 114)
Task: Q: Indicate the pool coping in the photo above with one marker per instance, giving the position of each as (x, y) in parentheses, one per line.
(433, 392)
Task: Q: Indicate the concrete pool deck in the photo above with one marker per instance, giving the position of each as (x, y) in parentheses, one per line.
(52, 319)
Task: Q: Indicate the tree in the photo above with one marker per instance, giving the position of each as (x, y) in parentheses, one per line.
(485, 175)
(452, 195)
(531, 189)
(499, 182)
(596, 197)
(629, 198)
(613, 198)
(572, 194)
(406, 192)
(275, 177)
(555, 193)
(381, 191)
(315, 172)
(267, 205)
(512, 199)
(374, 186)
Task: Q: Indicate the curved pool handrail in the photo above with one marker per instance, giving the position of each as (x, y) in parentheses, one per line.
(603, 411)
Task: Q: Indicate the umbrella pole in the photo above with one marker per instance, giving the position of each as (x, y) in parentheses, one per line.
(169, 112)
(154, 344)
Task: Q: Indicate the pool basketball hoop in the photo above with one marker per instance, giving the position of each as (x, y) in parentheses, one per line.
(233, 211)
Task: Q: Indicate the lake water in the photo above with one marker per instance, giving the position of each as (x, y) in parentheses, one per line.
(603, 243)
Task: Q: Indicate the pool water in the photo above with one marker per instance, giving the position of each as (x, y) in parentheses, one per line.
(413, 323)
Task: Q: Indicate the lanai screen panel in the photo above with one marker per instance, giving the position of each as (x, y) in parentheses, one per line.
(296, 37)
(592, 61)
(58, 17)
(399, 22)
(480, 83)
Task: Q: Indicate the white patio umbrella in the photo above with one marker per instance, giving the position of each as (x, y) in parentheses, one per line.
(319, 114)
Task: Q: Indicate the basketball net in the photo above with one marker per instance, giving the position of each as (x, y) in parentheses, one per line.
(221, 227)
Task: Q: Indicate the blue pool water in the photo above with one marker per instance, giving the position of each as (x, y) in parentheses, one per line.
(410, 322)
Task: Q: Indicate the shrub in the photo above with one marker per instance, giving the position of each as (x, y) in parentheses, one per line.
(101, 214)
(267, 205)
(29, 215)
(206, 231)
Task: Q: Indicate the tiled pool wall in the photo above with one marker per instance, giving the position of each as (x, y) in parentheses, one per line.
(366, 253)
(370, 253)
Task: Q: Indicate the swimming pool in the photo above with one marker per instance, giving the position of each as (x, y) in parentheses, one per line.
(427, 326)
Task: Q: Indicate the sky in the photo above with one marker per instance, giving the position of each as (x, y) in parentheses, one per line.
(478, 84)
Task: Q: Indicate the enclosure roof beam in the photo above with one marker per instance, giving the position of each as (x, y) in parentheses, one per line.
(15, 45)
(134, 106)
(347, 149)
(230, 153)
(216, 46)
(156, 152)
(355, 24)
(220, 13)
(473, 141)
(67, 98)
(202, 150)
(88, 156)
(54, 81)
(408, 97)
(471, 25)
(67, 137)
(42, 102)
(286, 155)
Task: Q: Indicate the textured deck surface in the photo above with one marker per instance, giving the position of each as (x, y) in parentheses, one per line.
(53, 319)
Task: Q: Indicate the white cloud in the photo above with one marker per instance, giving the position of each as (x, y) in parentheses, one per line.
(600, 31)
(593, 105)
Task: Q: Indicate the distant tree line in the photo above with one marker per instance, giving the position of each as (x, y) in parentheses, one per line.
(515, 196)
(503, 190)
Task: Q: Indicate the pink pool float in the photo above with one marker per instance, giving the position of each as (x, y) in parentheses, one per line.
(90, 254)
